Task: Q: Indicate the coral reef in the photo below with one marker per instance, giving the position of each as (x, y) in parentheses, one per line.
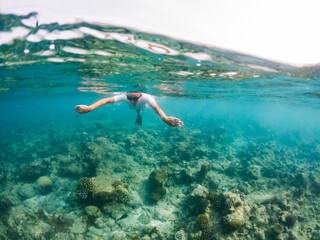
(3, 175)
(209, 189)
(71, 165)
(24, 225)
(5, 205)
(44, 184)
(180, 235)
(157, 180)
(85, 187)
(58, 222)
(33, 171)
(289, 219)
(214, 199)
(201, 175)
(202, 221)
(233, 223)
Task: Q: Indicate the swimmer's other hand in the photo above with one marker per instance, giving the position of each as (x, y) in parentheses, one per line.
(173, 122)
(139, 121)
(82, 109)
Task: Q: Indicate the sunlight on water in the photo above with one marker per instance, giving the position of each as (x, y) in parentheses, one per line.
(245, 165)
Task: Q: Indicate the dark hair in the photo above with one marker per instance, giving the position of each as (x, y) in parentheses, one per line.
(132, 95)
(132, 92)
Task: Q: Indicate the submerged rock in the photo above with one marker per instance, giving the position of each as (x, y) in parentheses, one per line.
(289, 218)
(74, 169)
(103, 191)
(199, 191)
(95, 152)
(3, 175)
(25, 225)
(252, 172)
(33, 171)
(26, 191)
(97, 238)
(117, 235)
(157, 180)
(233, 222)
(119, 211)
(196, 202)
(299, 180)
(109, 189)
(78, 227)
(93, 212)
(278, 229)
(5, 206)
(233, 209)
(315, 187)
(144, 218)
(180, 235)
(59, 222)
(182, 177)
(182, 151)
(201, 175)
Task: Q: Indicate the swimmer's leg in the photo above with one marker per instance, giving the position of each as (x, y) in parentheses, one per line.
(139, 118)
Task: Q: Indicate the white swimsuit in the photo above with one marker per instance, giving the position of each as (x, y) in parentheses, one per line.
(145, 101)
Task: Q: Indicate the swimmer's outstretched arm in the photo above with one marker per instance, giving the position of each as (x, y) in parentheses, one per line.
(84, 108)
(171, 121)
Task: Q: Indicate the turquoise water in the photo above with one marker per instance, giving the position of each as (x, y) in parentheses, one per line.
(245, 165)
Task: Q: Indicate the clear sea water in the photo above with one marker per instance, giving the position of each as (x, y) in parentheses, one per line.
(231, 104)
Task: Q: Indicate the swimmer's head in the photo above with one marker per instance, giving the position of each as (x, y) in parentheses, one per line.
(134, 97)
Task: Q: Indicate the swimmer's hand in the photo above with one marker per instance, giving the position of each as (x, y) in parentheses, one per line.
(82, 109)
(172, 121)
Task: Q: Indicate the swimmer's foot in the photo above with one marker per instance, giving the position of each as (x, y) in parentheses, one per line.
(139, 120)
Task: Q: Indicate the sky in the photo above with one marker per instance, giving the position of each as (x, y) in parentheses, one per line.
(285, 31)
